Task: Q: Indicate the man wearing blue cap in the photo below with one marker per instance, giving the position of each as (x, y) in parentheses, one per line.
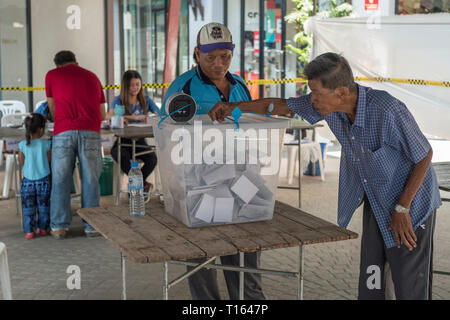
(211, 82)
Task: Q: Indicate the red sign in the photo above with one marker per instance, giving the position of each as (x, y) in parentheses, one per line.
(256, 41)
(371, 5)
(278, 21)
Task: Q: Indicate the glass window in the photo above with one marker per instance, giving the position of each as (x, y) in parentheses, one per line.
(251, 45)
(137, 39)
(159, 48)
(234, 24)
(13, 49)
(183, 39)
(273, 53)
(423, 6)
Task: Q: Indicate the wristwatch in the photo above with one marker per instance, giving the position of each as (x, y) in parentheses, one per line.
(401, 209)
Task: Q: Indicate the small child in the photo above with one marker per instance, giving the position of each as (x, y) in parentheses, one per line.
(34, 157)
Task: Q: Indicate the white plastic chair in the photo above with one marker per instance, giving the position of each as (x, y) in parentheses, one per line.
(12, 106)
(9, 107)
(14, 119)
(311, 152)
(5, 281)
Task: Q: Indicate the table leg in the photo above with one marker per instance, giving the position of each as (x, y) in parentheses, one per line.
(124, 283)
(241, 276)
(313, 165)
(15, 180)
(134, 150)
(300, 274)
(166, 281)
(119, 147)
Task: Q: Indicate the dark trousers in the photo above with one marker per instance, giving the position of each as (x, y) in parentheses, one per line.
(203, 284)
(126, 155)
(35, 196)
(412, 271)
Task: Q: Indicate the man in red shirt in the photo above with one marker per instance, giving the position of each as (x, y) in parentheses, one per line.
(77, 104)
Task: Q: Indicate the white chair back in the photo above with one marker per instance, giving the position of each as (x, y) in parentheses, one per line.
(5, 281)
(12, 106)
(13, 119)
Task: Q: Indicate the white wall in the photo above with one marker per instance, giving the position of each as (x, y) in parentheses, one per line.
(51, 32)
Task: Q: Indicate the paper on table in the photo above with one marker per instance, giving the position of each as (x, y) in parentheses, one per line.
(205, 208)
(139, 125)
(251, 211)
(265, 193)
(192, 204)
(259, 182)
(199, 190)
(260, 201)
(244, 189)
(254, 177)
(223, 210)
(225, 172)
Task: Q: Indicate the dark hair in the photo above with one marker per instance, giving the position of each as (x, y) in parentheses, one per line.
(125, 86)
(64, 57)
(33, 122)
(195, 58)
(332, 70)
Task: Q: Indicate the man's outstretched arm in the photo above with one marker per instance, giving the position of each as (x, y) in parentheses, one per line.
(222, 109)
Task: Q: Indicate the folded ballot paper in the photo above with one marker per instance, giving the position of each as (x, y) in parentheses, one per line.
(219, 194)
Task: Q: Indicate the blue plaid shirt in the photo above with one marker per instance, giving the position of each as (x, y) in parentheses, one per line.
(379, 151)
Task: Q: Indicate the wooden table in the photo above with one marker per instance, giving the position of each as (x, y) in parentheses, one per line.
(442, 170)
(298, 125)
(14, 133)
(158, 237)
(134, 133)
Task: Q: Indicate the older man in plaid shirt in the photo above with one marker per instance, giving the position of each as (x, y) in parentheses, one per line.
(385, 164)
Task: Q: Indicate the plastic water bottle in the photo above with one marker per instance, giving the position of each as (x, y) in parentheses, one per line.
(136, 190)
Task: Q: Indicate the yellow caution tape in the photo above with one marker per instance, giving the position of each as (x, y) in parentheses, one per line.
(22, 88)
(275, 81)
(408, 81)
(263, 82)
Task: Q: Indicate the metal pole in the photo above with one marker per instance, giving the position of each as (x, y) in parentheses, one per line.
(124, 283)
(241, 276)
(299, 169)
(313, 165)
(238, 269)
(189, 273)
(119, 146)
(134, 149)
(15, 181)
(300, 273)
(166, 281)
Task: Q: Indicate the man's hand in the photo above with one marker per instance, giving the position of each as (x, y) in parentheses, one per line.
(402, 227)
(220, 110)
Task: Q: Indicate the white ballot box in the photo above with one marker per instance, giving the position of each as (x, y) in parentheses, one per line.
(220, 173)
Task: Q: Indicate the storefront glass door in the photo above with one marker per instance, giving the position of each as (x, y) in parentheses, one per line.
(13, 49)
